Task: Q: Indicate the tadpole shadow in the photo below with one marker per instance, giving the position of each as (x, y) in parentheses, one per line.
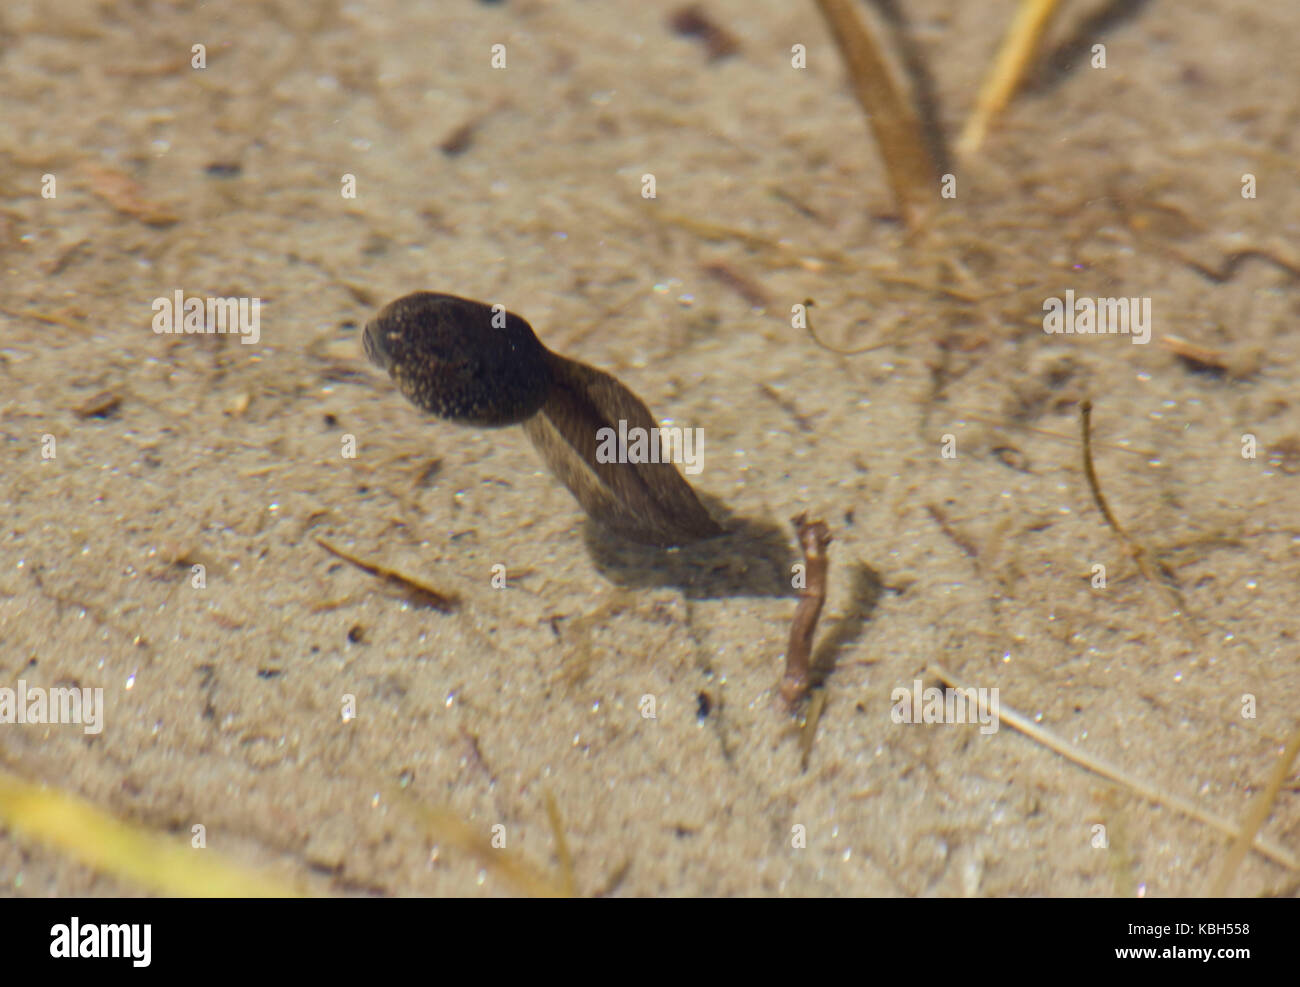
(752, 558)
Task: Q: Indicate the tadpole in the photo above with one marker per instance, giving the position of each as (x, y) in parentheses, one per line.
(476, 364)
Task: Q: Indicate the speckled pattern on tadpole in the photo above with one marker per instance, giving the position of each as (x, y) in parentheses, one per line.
(449, 359)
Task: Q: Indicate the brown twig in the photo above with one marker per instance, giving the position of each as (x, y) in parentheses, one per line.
(416, 591)
(745, 287)
(814, 537)
(808, 304)
(1085, 415)
(1238, 365)
(1138, 553)
(1196, 357)
(101, 405)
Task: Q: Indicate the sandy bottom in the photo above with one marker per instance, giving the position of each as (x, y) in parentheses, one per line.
(224, 703)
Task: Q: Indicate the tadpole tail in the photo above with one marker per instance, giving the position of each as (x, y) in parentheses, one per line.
(646, 502)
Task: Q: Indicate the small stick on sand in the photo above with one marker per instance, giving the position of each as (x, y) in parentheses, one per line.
(1017, 51)
(1085, 417)
(1197, 357)
(1097, 765)
(416, 591)
(814, 536)
(808, 304)
(1138, 553)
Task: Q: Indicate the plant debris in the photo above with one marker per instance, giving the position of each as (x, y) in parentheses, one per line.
(692, 22)
(418, 592)
(814, 537)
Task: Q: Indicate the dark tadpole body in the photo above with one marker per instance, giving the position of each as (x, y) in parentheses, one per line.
(479, 365)
(449, 358)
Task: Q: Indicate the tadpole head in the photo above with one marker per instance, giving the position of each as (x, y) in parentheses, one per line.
(460, 359)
